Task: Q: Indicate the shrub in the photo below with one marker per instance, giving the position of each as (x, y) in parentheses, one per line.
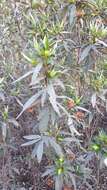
(68, 81)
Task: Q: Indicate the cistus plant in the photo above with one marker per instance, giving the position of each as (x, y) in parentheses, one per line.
(97, 30)
(5, 125)
(62, 172)
(99, 146)
(52, 137)
(66, 81)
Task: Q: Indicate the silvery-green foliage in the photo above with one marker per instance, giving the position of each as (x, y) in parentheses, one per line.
(66, 176)
(2, 97)
(58, 128)
(6, 123)
(48, 86)
(42, 142)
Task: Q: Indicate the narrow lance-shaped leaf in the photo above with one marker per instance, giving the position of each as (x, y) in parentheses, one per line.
(4, 131)
(31, 137)
(53, 116)
(56, 147)
(85, 53)
(48, 172)
(102, 43)
(2, 97)
(35, 73)
(36, 46)
(27, 58)
(52, 98)
(31, 19)
(1, 80)
(63, 109)
(46, 140)
(40, 151)
(83, 109)
(30, 142)
(72, 14)
(72, 127)
(24, 76)
(29, 103)
(54, 104)
(93, 100)
(43, 97)
(14, 122)
(43, 125)
(105, 161)
(58, 183)
(73, 180)
(34, 152)
(46, 42)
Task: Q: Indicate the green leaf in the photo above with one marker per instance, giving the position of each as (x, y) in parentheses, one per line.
(37, 47)
(36, 4)
(27, 58)
(96, 147)
(46, 43)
